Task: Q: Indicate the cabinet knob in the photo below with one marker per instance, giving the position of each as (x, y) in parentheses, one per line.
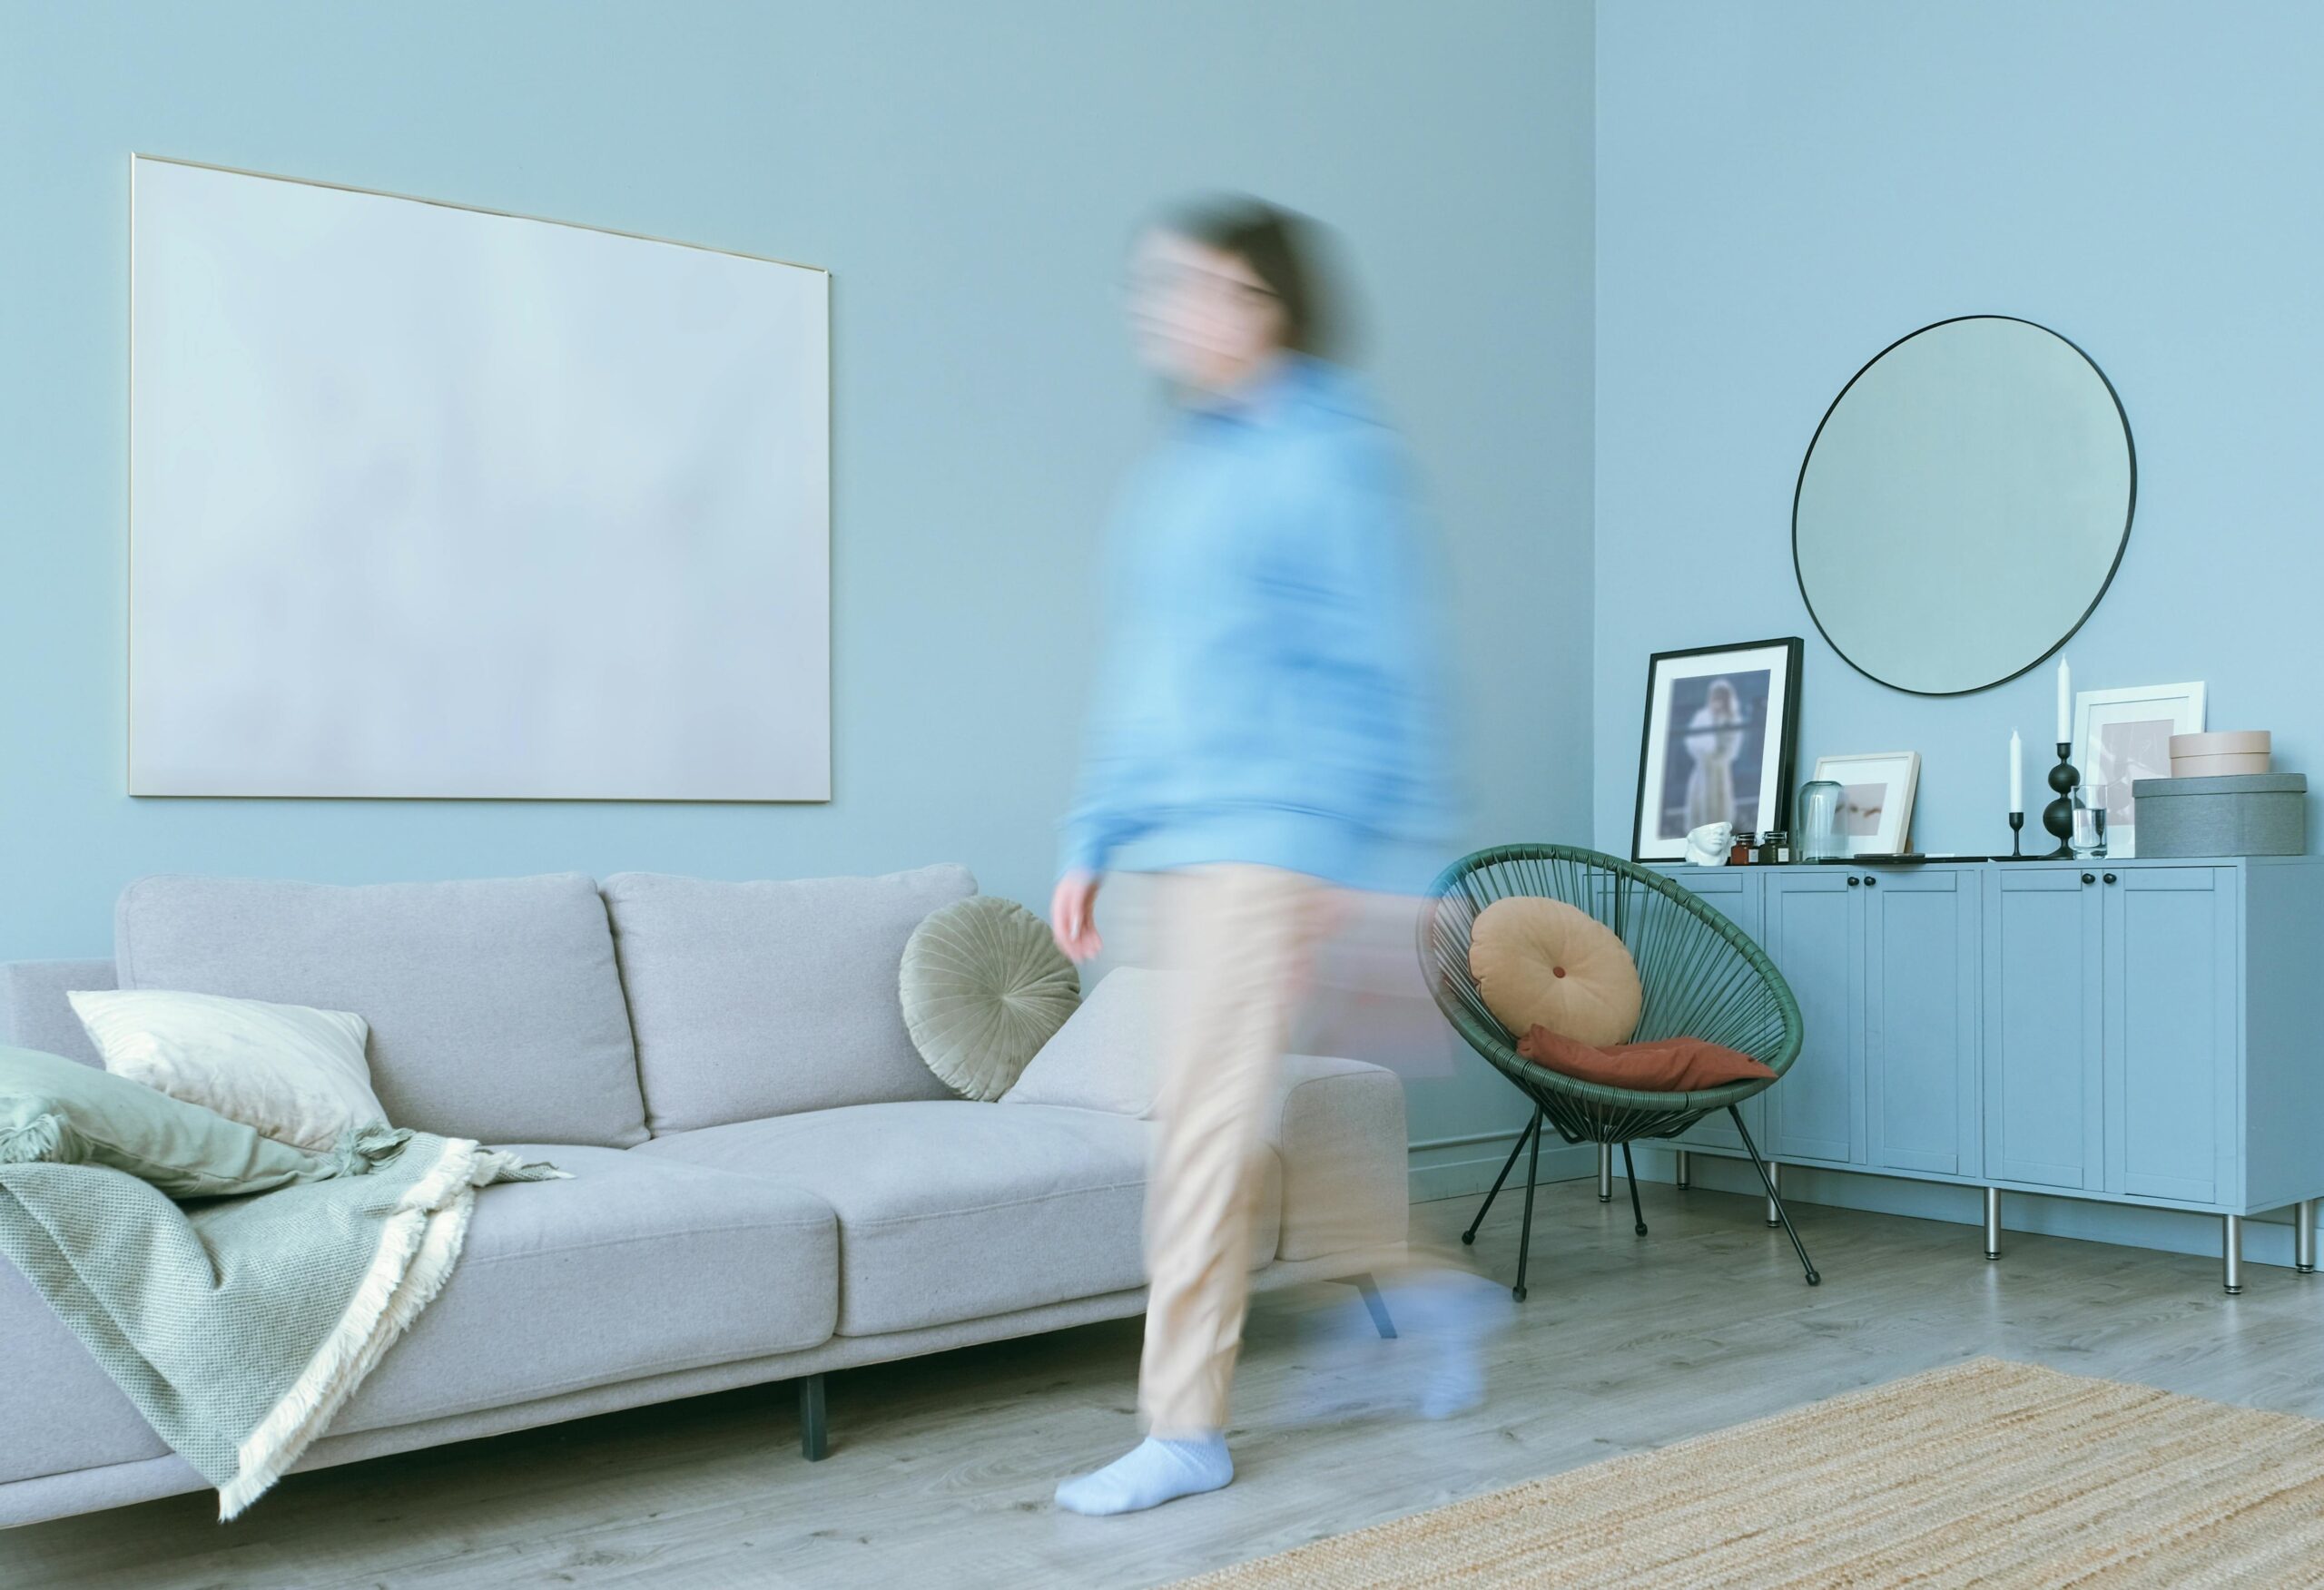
(1854, 880)
(2086, 878)
(1870, 881)
(2109, 878)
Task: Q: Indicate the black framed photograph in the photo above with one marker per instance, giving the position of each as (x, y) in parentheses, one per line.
(1722, 727)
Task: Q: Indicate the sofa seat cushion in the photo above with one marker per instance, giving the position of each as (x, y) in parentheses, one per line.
(954, 1210)
(633, 1267)
(495, 1008)
(757, 999)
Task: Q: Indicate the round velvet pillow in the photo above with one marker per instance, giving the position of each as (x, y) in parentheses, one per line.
(984, 986)
(1543, 963)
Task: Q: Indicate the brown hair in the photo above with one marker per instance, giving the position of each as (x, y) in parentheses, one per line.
(1286, 250)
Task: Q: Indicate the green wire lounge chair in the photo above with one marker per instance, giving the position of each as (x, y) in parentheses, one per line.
(1702, 976)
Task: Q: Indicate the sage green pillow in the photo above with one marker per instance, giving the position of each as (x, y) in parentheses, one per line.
(984, 986)
(65, 1112)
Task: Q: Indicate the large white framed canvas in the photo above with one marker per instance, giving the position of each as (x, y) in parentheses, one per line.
(429, 500)
(2123, 735)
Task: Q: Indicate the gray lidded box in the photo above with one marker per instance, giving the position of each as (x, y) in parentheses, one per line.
(2238, 814)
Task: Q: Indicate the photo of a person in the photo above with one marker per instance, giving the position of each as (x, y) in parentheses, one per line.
(1713, 745)
(1713, 734)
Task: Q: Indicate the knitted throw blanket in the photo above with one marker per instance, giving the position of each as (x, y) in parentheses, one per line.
(240, 1326)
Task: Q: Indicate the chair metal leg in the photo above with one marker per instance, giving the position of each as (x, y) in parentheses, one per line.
(1525, 1237)
(1772, 1175)
(1774, 1199)
(1377, 1306)
(1605, 1173)
(1637, 1215)
(814, 1439)
(2304, 1236)
(1684, 1174)
(1469, 1237)
(1993, 1223)
(2232, 1253)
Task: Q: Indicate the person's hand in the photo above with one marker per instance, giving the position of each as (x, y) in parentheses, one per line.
(1072, 915)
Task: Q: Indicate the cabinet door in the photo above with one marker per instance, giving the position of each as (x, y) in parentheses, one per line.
(1920, 1018)
(2171, 1033)
(1730, 891)
(2044, 1102)
(1813, 926)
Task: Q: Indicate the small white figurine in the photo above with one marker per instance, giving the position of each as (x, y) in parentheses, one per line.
(1708, 845)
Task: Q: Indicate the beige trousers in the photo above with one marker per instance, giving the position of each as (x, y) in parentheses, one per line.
(1241, 939)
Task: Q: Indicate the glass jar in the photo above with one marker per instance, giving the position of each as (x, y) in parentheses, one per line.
(1819, 822)
(2089, 840)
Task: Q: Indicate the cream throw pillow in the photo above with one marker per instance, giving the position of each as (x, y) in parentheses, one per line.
(1544, 963)
(1109, 1053)
(298, 1075)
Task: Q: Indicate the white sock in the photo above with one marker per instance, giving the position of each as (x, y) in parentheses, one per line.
(1153, 1472)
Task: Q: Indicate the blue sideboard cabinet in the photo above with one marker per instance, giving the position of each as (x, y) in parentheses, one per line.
(2134, 1032)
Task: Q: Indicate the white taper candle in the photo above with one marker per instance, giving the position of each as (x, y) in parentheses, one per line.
(2065, 703)
(2017, 773)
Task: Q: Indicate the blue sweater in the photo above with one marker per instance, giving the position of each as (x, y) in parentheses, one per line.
(1271, 692)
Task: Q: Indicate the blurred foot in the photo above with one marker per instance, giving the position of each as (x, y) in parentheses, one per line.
(1152, 1472)
(1444, 1320)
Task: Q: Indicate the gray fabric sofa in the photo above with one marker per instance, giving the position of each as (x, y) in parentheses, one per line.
(767, 1184)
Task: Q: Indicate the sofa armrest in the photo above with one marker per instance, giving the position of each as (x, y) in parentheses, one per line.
(35, 1012)
(1339, 1128)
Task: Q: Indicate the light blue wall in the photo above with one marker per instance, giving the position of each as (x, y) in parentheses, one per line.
(970, 174)
(1786, 187)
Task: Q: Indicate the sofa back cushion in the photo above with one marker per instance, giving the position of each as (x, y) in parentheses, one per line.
(758, 999)
(495, 1006)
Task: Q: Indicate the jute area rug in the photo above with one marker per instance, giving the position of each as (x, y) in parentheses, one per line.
(1987, 1473)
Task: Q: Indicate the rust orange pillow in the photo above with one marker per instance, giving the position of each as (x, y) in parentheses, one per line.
(1667, 1065)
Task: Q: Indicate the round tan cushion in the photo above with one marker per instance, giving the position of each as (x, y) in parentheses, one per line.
(1543, 963)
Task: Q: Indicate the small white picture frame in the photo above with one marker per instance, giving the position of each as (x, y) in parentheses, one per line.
(1876, 791)
(2121, 736)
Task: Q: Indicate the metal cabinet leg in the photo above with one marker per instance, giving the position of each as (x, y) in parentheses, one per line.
(2304, 1236)
(1605, 1173)
(813, 1440)
(1774, 1173)
(1684, 1176)
(2231, 1252)
(1993, 1223)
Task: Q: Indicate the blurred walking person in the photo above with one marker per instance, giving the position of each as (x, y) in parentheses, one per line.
(1267, 733)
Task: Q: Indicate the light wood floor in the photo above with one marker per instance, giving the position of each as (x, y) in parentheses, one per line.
(941, 1469)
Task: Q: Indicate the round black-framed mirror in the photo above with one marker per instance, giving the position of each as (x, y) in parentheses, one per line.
(1964, 505)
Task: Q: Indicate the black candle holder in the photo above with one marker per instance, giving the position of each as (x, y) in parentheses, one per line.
(2058, 815)
(2017, 830)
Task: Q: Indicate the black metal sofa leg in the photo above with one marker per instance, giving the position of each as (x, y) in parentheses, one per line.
(1637, 1215)
(1469, 1237)
(1774, 1199)
(814, 1437)
(1375, 1304)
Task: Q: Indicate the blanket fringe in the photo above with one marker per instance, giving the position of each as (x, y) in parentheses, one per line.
(35, 1141)
(418, 1246)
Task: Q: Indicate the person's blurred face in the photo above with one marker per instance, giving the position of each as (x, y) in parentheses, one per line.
(1201, 318)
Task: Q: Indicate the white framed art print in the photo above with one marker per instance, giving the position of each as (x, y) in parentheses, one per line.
(1876, 793)
(2122, 736)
